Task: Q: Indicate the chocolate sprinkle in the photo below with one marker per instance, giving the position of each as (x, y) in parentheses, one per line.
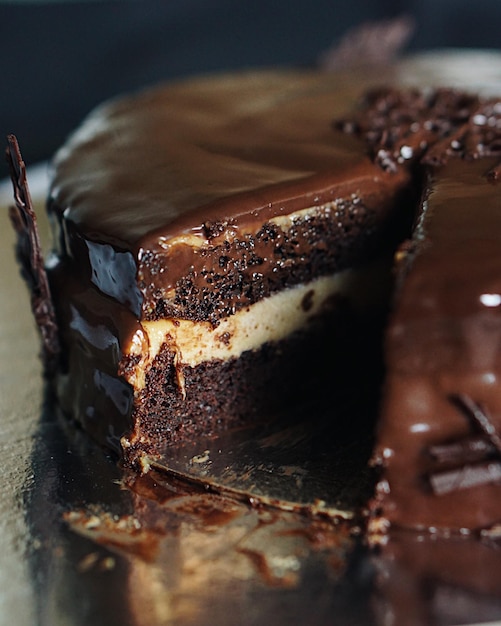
(430, 126)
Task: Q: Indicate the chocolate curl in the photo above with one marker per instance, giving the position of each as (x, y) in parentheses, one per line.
(465, 477)
(479, 417)
(467, 450)
(29, 254)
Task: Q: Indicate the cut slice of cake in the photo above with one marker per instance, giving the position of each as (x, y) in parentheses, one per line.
(218, 243)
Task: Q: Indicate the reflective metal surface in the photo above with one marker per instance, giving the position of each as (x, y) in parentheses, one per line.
(243, 530)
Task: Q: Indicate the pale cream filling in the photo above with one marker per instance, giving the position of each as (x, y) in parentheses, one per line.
(271, 319)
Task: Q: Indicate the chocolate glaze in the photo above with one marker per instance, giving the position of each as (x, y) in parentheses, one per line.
(215, 160)
(92, 330)
(205, 150)
(443, 362)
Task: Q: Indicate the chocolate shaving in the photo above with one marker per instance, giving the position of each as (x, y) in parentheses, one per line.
(29, 254)
(465, 451)
(468, 450)
(465, 477)
(479, 417)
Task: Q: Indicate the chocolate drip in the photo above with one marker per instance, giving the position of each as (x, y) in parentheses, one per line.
(29, 254)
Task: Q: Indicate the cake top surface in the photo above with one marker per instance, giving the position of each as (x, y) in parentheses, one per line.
(215, 148)
(153, 159)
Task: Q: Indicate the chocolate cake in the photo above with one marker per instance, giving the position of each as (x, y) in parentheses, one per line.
(219, 240)
(214, 238)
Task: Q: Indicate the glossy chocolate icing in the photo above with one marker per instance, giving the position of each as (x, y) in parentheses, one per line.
(186, 176)
(438, 434)
(230, 147)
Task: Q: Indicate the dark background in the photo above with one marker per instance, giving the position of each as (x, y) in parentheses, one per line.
(59, 59)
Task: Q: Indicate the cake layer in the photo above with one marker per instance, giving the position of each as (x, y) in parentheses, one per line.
(234, 270)
(272, 319)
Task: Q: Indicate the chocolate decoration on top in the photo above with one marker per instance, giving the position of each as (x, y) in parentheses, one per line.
(29, 254)
(483, 451)
(430, 125)
(479, 416)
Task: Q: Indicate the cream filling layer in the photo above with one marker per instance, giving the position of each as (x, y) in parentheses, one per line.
(284, 221)
(270, 319)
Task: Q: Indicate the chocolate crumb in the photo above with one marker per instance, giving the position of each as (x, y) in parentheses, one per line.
(225, 338)
(410, 125)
